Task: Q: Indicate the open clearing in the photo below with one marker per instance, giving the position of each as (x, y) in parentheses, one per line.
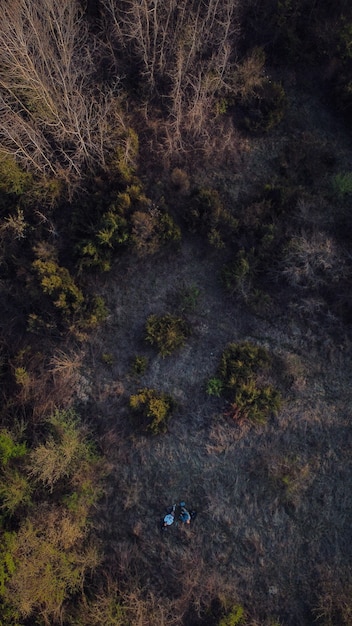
(273, 527)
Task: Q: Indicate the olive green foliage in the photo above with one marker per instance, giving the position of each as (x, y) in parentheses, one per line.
(124, 161)
(240, 361)
(95, 312)
(110, 232)
(236, 378)
(101, 223)
(75, 310)
(57, 282)
(342, 184)
(10, 448)
(45, 558)
(266, 107)
(153, 409)
(13, 180)
(254, 403)
(215, 387)
(235, 617)
(108, 358)
(238, 275)
(44, 562)
(65, 452)
(167, 332)
(208, 215)
(15, 489)
(185, 299)
(104, 610)
(139, 365)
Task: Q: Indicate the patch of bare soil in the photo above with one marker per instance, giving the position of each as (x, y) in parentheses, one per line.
(273, 501)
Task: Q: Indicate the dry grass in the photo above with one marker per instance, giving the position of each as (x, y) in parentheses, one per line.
(272, 531)
(272, 500)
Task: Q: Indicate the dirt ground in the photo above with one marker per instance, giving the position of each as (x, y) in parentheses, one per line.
(273, 501)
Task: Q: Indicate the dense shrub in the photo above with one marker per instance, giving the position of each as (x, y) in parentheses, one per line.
(139, 365)
(235, 617)
(166, 332)
(240, 361)
(152, 229)
(153, 409)
(207, 215)
(236, 379)
(265, 108)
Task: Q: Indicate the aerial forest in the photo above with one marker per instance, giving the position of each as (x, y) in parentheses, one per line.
(175, 312)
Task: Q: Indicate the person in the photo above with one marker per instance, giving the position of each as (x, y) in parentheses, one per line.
(185, 516)
(169, 517)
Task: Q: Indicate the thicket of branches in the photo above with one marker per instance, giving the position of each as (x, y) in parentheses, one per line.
(184, 51)
(54, 116)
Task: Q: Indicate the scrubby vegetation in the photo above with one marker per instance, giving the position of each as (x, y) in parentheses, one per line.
(237, 378)
(175, 190)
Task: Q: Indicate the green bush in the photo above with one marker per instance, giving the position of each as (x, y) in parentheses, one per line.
(342, 184)
(186, 298)
(139, 365)
(12, 178)
(239, 363)
(153, 409)
(57, 282)
(64, 453)
(254, 403)
(166, 332)
(9, 448)
(108, 359)
(110, 232)
(215, 387)
(235, 617)
(208, 215)
(266, 108)
(15, 491)
(238, 275)
(236, 378)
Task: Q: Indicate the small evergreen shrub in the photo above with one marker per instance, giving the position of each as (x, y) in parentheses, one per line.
(342, 184)
(9, 448)
(235, 617)
(188, 297)
(57, 282)
(208, 215)
(266, 108)
(254, 403)
(236, 379)
(238, 275)
(166, 332)
(153, 409)
(215, 387)
(139, 365)
(239, 363)
(108, 359)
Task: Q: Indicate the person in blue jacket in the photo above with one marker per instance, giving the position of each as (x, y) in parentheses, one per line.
(185, 516)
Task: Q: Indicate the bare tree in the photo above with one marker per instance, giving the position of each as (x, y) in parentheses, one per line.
(185, 45)
(53, 118)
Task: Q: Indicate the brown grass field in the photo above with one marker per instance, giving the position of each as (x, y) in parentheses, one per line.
(273, 526)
